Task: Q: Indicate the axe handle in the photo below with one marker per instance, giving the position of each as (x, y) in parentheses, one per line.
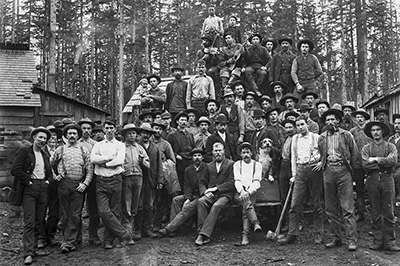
(278, 228)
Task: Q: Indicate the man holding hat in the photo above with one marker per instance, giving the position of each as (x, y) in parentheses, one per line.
(200, 88)
(74, 171)
(305, 68)
(32, 171)
(185, 206)
(176, 92)
(338, 157)
(359, 174)
(155, 97)
(200, 139)
(256, 58)
(378, 159)
(136, 159)
(281, 64)
(234, 115)
(305, 111)
(108, 157)
(247, 174)
(153, 179)
(395, 140)
(382, 115)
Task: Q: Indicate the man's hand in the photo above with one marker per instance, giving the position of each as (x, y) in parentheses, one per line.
(81, 188)
(271, 178)
(212, 190)
(263, 68)
(178, 157)
(291, 180)
(58, 178)
(243, 69)
(30, 183)
(299, 88)
(185, 203)
(240, 140)
(209, 194)
(159, 186)
(244, 195)
(318, 167)
(373, 159)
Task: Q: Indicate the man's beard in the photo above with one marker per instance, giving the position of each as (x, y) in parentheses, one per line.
(331, 128)
(178, 76)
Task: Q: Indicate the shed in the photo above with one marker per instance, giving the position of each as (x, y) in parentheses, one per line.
(389, 100)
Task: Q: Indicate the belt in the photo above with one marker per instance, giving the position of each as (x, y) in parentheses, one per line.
(383, 171)
(107, 177)
(200, 100)
(334, 163)
(308, 163)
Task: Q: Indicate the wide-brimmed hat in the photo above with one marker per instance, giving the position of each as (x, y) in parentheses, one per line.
(110, 121)
(72, 126)
(395, 116)
(264, 98)
(253, 35)
(348, 105)
(236, 83)
(221, 118)
(86, 120)
(280, 83)
(292, 113)
(207, 37)
(196, 112)
(180, 114)
(154, 76)
(227, 92)
(58, 123)
(176, 67)
(196, 150)
(323, 101)
(305, 107)
(166, 115)
(368, 126)
(310, 93)
(362, 112)
(56, 130)
(129, 127)
(159, 123)
(284, 122)
(309, 42)
(233, 16)
(97, 128)
(41, 129)
(274, 43)
(209, 101)
(147, 112)
(258, 113)
(245, 145)
(288, 96)
(271, 109)
(67, 121)
(251, 93)
(146, 127)
(203, 119)
(381, 110)
(332, 111)
(285, 38)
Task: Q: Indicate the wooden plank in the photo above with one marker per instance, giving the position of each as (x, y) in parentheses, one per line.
(55, 113)
(17, 121)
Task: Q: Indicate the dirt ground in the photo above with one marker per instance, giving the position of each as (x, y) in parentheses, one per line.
(181, 249)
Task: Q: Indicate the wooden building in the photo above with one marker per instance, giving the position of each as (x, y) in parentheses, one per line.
(389, 100)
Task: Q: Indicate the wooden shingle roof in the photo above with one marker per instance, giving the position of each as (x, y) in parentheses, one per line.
(17, 75)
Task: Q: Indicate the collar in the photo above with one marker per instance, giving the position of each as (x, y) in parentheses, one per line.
(128, 144)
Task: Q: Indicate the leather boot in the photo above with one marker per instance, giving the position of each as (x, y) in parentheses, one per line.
(245, 232)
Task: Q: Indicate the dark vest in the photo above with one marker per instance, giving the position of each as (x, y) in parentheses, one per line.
(233, 118)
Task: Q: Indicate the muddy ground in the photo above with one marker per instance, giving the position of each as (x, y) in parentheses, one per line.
(181, 250)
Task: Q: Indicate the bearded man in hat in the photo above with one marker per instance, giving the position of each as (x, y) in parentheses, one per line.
(348, 120)
(281, 64)
(378, 159)
(32, 171)
(359, 174)
(304, 157)
(382, 115)
(221, 135)
(278, 91)
(235, 116)
(73, 169)
(136, 159)
(200, 88)
(338, 156)
(176, 92)
(155, 97)
(256, 59)
(212, 109)
(247, 174)
(216, 191)
(305, 68)
(228, 58)
(395, 140)
(153, 179)
(185, 206)
(200, 139)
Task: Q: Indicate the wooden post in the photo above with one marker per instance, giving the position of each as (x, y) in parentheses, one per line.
(51, 83)
(120, 91)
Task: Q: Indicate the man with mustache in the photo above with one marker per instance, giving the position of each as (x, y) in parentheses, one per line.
(108, 157)
(247, 174)
(348, 121)
(381, 115)
(359, 174)
(378, 159)
(167, 119)
(281, 64)
(73, 170)
(176, 92)
(212, 109)
(216, 191)
(228, 57)
(338, 156)
(234, 114)
(200, 139)
(262, 130)
(309, 99)
(289, 101)
(185, 206)
(250, 105)
(200, 88)
(32, 171)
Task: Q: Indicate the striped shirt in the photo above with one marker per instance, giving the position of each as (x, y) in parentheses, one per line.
(333, 147)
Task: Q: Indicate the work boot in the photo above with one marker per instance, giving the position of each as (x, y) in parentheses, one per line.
(28, 260)
(352, 246)
(376, 246)
(137, 235)
(334, 243)
(393, 248)
(289, 239)
(149, 233)
(245, 233)
(257, 227)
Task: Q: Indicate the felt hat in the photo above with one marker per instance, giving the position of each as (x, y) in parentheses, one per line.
(258, 113)
(177, 67)
(264, 98)
(233, 16)
(280, 83)
(285, 38)
(180, 114)
(72, 126)
(309, 42)
(86, 120)
(362, 112)
(305, 107)
(348, 105)
(97, 128)
(201, 63)
(251, 93)
(146, 127)
(274, 43)
(203, 119)
(245, 145)
(196, 112)
(58, 123)
(41, 129)
(111, 121)
(271, 109)
(160, 123)
(304, 95)
(288, 96)
(395, 116)
(221, 118)
(129, 127)
(67, 121)
(209, 101)
(332, 111)
(154, 76)
(147, 112)
(166, 115)
(368, 126)
(56, 130)
(255, 35)
(228, 92)
(196, 150)
(284, 122)
(322, 101)
(381, 110)
(236, 83)
(292, 113)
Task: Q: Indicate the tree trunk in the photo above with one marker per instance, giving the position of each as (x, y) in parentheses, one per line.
(52, 47)
(361, 31)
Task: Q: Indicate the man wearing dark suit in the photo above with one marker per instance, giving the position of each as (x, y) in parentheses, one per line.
(262, 131)
(220, 135)
(216, 189)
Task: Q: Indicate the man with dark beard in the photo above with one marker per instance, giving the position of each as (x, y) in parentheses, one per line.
(348, 120)
(338, 157)
(176, 92)
(74, 171)
(281, 65)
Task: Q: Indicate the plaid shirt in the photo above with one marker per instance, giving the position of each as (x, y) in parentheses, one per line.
(72, 161)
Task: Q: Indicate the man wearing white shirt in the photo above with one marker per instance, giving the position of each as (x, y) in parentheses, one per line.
(247, 175)
(108, 157)
(307, 181)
